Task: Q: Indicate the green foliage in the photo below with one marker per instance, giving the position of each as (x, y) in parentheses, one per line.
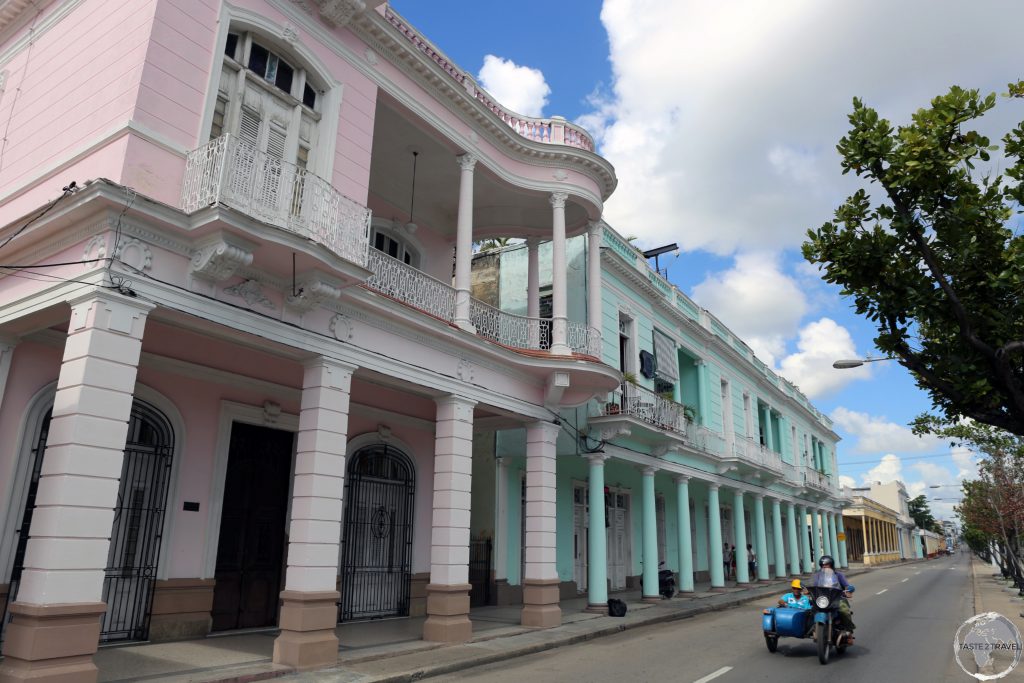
(922, 514)
(933, 259)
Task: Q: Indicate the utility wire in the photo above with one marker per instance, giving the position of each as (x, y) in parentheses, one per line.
(69, 190)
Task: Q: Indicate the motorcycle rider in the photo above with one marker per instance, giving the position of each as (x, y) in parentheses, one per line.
(795, 599)
(827, 565)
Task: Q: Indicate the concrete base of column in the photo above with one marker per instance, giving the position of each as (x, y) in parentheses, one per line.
(307, 639)
(597, 609)
(540, 603)
(651, 598)
(718, 589)
(448, 613)
(52, 643)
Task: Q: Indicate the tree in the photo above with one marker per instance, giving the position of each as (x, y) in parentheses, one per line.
(934, 262)
(922, 514)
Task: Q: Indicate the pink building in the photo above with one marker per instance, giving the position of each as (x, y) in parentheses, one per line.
(240, 367)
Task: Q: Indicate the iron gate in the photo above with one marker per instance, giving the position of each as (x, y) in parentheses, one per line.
(137, 528)
(480, 572)
(377, 543)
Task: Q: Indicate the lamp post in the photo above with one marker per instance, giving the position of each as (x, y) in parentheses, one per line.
(857, 362)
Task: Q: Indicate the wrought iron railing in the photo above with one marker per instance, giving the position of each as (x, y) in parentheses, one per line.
(401, 281)
(583, 339)
(554, 130)
(643, 404)
(816, 479)
(233, 172)
(753, 452)
(517, 331)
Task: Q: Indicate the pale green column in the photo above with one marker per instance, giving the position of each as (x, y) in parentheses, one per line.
(715, 534)
(685, 541)
(597, 561)
(842, 544)
(794, 540)
(650, 538)
(702, 391)
(832, 536)
(826, 540)
(740, 532)
(805, 546)
(780, 546)
(761, 542)
(769, 438)
(815, 539)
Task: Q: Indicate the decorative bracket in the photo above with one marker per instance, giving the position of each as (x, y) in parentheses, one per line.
(218, 259)
(312, 293)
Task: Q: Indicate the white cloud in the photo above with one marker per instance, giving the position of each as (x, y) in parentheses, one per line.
(889, 469)
(722, 118)
(878, 435)
(757, 301)
(520, 88)
(819, 344)
(849, 482)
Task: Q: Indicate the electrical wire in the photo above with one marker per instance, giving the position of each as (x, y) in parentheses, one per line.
(68, 190)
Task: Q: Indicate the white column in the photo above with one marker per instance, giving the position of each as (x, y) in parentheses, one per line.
(533, 291)
(540, 582)
(70, 534)
(309, 600)
(464, 242)
(448, 590)
(595, 234)
(56, 617)
(559, 305)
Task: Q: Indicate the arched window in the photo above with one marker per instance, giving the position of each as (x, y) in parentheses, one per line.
(394, 246)
(267, 100)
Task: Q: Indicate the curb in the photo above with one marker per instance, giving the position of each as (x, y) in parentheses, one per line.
(663, 615)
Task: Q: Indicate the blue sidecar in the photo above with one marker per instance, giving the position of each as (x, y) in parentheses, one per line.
(779, 622)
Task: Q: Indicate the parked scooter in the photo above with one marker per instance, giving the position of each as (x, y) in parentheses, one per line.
(666, 581)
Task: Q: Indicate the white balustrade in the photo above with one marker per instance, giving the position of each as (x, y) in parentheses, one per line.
(816, 479)
(235, 173)
(517, 331)
(409, 285)
(583, 339)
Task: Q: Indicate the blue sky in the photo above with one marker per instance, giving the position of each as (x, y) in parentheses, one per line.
(722, 120)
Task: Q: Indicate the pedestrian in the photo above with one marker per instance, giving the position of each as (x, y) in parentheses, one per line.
(732, 561)
(726, 560)
(751, 561)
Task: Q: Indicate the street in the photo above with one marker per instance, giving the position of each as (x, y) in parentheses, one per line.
(906, 619)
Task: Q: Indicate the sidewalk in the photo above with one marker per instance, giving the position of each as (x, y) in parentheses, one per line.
(993, 593)
(392, 650)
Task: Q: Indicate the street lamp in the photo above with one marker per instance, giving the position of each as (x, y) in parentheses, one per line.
(857, 362)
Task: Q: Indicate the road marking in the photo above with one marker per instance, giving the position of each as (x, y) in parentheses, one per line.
(916, 573)
(881, 591)
(904, 580)
(713, 675)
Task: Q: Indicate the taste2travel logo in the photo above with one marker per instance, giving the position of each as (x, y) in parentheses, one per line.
(988, 646)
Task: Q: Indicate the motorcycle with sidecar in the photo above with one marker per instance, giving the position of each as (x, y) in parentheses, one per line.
(820, 623)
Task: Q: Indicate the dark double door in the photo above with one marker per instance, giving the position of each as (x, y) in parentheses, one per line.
(250, 552)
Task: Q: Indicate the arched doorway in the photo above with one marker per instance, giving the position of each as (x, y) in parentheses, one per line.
(380, 487)
(137, 529)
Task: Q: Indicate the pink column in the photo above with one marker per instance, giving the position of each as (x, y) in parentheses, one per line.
(56, 617)
(559, 305)
(309, 610)
(540, 582)
(464, 242)
(448, 590)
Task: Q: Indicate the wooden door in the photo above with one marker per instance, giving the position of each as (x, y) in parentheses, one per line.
(581, 523)
(250, 553)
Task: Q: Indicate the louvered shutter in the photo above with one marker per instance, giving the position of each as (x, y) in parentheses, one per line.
(665, 352)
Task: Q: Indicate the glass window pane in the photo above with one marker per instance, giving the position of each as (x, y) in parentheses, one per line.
(231, 45)
(283, 80)
(271, 67)
(258, 57)
(309, 97)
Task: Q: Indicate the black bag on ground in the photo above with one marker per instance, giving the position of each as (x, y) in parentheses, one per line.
(616, 607)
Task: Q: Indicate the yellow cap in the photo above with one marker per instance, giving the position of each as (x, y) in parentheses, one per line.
(795, 584)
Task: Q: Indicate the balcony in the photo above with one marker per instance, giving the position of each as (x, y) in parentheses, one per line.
(751, 458)
(645, 416)
(401, 282)
(234, 173)
(816, 481)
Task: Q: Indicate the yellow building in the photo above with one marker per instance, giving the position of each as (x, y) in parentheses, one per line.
(872, 532)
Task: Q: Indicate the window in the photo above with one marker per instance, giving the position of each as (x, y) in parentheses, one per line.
(394, 246)
(268, 100)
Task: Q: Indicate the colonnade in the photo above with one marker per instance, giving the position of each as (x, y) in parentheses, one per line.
(797, 523)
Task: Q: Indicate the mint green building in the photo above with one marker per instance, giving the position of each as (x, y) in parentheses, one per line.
(703, 448)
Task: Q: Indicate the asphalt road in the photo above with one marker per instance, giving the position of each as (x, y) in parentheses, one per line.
(906, 619)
